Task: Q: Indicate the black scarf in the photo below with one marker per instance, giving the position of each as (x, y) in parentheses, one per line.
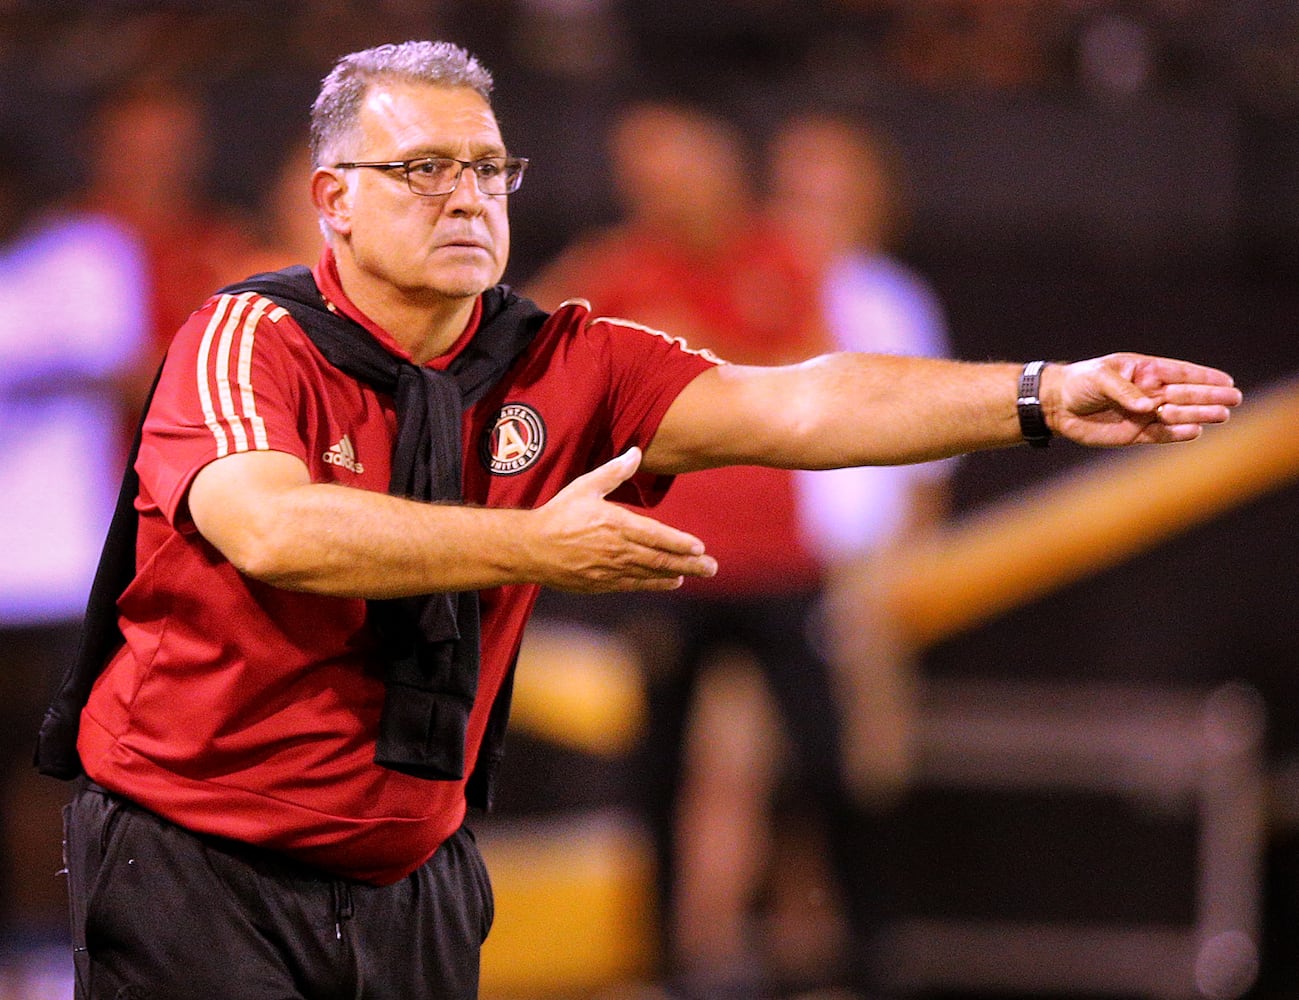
(430, 644)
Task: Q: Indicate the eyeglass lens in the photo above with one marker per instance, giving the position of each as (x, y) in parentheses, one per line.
(439, 175)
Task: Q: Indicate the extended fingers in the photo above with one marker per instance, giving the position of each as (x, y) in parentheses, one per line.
(1170, 371)
(656, 535)
(1172, 414)
(1184, 422)
(644, 568)
(1192, 394)
(1187, 407)
(592, 545)
(654, 574)
(1158, 432)
(1125, 398)
(618, 550)
(1127, 377)
(657, 549)
(1186, 392)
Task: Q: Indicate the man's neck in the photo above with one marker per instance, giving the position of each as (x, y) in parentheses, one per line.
(427, 326)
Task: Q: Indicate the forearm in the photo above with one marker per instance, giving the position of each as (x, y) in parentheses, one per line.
(896, 410)
(354, 543)
(839, 410)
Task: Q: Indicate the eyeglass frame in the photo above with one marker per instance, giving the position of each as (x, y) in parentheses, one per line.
(405, 167)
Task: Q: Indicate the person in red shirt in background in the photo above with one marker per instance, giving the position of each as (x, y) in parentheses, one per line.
(844, 208)
(287, 229)
(150, 145)
(698, 256)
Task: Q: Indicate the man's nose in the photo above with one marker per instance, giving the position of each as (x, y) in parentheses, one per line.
(467, 195)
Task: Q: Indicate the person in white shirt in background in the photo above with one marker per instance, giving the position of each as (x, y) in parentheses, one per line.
(850, 213)
(73, 315)
(834, 191)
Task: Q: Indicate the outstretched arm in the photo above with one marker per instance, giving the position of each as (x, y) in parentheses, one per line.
(864, 409)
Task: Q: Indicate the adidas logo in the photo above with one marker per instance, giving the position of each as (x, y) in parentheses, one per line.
(344, 454)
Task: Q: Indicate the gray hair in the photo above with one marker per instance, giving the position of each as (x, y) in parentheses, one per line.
(336, 109)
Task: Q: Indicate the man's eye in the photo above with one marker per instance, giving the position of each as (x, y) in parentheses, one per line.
(487, 168)
(427, 167)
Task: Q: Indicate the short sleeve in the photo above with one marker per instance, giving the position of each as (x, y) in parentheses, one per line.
(647, 369)
(230, 384)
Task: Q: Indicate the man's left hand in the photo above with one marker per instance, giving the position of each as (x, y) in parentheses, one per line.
(1123, 399)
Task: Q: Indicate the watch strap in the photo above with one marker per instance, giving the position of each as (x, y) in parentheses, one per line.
(1032, 422)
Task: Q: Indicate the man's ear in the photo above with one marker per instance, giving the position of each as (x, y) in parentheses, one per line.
(332, 197)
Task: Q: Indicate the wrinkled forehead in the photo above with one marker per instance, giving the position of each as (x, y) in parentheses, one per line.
(400, 119)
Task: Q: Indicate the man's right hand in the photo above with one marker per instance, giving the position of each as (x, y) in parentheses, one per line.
(595, 546)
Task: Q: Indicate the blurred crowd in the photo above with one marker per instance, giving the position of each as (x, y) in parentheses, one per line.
(711, 170)
(997, 44)
(562, 64)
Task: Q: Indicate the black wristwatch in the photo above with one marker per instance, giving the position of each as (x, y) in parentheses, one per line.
(1032, 423)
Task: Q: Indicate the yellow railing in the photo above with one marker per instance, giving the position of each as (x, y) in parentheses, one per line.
(1094, 518)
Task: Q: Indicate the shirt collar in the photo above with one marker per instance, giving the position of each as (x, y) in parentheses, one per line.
(331, 288)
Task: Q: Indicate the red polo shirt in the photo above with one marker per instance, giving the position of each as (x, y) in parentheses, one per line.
(246, 711)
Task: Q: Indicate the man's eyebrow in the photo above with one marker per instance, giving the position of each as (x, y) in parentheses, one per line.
(445, 152)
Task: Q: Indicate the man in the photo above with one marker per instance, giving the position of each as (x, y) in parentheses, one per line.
(280, 750)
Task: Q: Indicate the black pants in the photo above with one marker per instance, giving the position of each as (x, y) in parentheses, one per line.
(159, 913)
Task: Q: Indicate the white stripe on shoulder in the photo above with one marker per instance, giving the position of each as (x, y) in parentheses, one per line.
(219, 314)
(238, 313)
(232, 332)
(679, 342)
(268, 308)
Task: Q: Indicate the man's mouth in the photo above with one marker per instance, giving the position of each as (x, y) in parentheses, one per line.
(466, 243)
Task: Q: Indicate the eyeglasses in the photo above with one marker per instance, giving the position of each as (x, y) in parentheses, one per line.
(430, 176)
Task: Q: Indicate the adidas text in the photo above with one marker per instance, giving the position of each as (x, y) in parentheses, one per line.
(344, 455)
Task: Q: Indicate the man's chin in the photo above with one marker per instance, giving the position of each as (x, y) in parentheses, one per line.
(465, 283)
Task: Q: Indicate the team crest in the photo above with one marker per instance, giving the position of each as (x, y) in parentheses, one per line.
(514, 441)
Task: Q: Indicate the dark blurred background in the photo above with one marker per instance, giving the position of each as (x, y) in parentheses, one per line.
(1081, 176)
